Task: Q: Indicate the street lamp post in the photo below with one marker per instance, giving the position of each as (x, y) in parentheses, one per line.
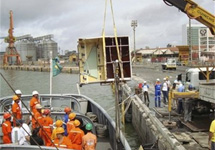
(134, 25)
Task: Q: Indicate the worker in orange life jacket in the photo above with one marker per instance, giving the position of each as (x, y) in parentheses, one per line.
(62, 141)
(89, 140)
(38, 116)
(16, 110)
(33, 102)
(46, 124)
(6, 129)
(70, 124)
(58, 123)
(75, 135)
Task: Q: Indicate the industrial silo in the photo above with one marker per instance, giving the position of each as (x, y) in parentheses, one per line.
(50, 45)
(27, 50)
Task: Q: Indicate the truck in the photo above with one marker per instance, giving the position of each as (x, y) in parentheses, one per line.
(199, 86)
(170, 64)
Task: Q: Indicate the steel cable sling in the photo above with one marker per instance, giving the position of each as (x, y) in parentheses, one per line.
(31, 114)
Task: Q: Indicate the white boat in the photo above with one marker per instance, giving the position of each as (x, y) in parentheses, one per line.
(81, 105)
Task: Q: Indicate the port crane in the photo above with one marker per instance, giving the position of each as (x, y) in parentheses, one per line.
(11, 49)
(194, 11)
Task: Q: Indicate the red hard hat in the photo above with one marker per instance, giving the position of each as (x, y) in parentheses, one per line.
(67, 109)
(46, 112)
(7, 115)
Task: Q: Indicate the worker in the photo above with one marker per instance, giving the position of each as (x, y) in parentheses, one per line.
(165, 91)
(17, 114)
(211, 139)
(17, 136)
(38, 116)
(58, 123)
(34, 101)
(89, 140)
(157, 93)
(70, 124)
(179, 100)
(145, 91)
(67, 111)
(47, 127)
(75, 135)
(26, 131)
(6, 129)
(19, 94)
(174, 89)
(35, 138)
(62, 141)
(168, 83)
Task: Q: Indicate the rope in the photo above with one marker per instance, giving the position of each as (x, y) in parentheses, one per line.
(117, 45)
(120, 103)
(115, 36)
(103, 38)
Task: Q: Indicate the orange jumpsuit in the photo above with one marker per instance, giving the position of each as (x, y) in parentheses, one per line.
(17, 112)
(33, 102)
(66, 143)
(6, 130)
(46, 122)
(89, 141)
(75, 135)
(37, 116)
(70, 125)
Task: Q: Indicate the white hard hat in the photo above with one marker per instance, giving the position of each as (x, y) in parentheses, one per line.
(18, 92)
(175, 81)
(164, 79)
(144, 82)
(38, 106)
(158, 79)
(35, 92)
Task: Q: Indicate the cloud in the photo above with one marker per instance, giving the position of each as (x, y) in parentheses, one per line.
(70, 20)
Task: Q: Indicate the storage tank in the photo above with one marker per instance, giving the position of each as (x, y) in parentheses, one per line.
(26, 49)
(49, 45)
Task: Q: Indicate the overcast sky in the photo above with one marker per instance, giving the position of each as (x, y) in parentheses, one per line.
(69, 20)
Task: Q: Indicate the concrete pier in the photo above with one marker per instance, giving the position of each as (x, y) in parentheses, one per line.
(73, 70)
(148, 127)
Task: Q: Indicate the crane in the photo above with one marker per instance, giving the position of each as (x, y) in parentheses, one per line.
(194, 11)
(11, 49)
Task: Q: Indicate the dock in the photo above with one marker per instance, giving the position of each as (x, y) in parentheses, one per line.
(71, 70)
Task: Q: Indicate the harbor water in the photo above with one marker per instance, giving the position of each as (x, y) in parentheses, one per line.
(28, 81)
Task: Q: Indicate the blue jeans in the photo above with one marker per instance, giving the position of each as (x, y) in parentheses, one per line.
(212, 145)
(165, 96)
(157, 98)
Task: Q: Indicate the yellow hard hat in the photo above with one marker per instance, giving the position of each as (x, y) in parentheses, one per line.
(58, 123)
(77, 123)
(15, 97)
(72, 116)
(59, 130)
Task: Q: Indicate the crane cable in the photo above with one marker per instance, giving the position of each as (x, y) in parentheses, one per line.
(30, 113)
(115, 36)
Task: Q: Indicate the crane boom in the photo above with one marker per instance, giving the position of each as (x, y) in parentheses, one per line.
(194, 11)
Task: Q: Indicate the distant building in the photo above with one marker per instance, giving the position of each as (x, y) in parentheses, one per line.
(158, 54)
(32, 49)
(197, 30)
